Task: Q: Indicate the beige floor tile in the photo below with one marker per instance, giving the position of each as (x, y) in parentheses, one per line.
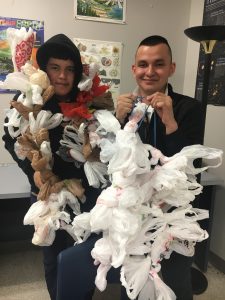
(22, 277)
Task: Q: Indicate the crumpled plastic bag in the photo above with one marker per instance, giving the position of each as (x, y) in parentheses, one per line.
(21, 43)
(46, 216)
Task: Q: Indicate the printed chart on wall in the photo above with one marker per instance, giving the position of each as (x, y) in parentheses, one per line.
(6, 64)
(108, 56)
(214, 14)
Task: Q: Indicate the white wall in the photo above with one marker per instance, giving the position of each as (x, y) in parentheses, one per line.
(214, 131)
(144, 17)
(196, 14)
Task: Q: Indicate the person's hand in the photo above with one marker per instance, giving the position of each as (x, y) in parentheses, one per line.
(124, 106)
(164, 108)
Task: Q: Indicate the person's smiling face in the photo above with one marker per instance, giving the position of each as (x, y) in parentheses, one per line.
(152, 68)
(61, 74)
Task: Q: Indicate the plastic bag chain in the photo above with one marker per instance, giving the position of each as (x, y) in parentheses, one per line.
(133, 212)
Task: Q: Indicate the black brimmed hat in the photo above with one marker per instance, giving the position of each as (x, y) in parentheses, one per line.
(60, 46)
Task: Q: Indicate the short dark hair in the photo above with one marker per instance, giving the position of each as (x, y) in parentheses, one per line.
(154, 40)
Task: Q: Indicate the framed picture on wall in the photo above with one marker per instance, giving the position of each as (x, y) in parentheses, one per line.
(111, 11)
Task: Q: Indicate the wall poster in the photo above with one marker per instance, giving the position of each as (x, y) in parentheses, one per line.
(108, 56)
(6, 64)
(214, 14)
(112, 11)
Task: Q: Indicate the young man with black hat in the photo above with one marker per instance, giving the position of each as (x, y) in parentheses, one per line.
(61, 60)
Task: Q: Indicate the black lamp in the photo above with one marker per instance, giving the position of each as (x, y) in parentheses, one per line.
(207, 35)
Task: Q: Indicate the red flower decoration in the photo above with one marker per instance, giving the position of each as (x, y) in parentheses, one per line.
(97, 89)
(74, 109)
(83, 100)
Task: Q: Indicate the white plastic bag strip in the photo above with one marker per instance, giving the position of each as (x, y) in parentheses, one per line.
(107, 120)
(44, 119)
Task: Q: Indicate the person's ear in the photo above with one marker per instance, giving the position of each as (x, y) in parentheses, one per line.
(133, 68)
(172, 68)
